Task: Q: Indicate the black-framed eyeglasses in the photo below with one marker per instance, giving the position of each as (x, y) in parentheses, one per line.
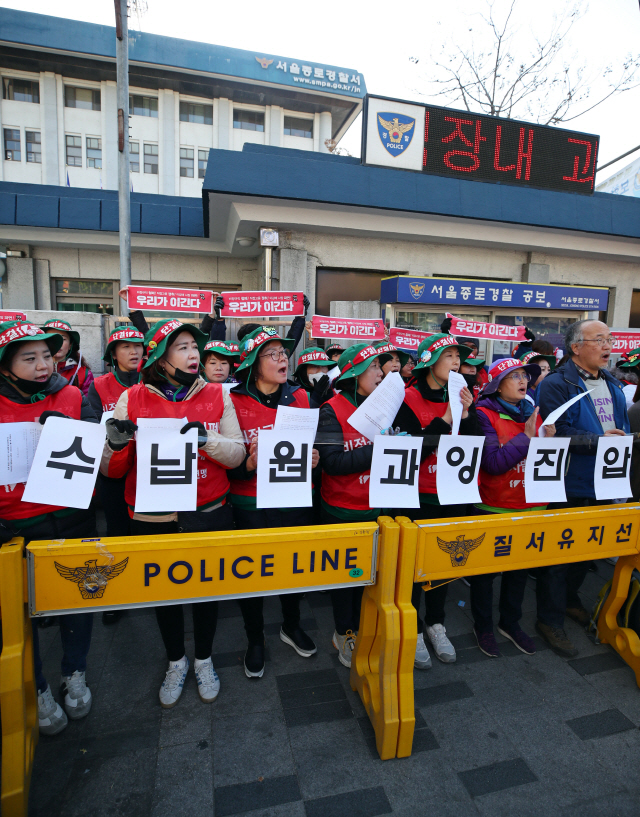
(276, 354)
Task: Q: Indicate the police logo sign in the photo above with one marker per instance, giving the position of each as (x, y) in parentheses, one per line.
(396, 131)
(92, 578)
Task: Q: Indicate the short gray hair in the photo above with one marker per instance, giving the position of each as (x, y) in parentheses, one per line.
(574, 334)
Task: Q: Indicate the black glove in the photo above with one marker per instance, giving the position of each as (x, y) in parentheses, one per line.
(46, 414)
(307, 304)
(529, 334)
(321, 389)
(119, 432)
(445, 326)
(202, 432)
(219, 305)
(6, 532)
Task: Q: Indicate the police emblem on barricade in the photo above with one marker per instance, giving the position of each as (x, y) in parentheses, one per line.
(92, 578)
(396, 131)
(416, 290)
(460, 548)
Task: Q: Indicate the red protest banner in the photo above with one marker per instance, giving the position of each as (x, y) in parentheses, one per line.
(8, 315)
(491, 331)
(352, 329)
(170, 299)
(408, 339)
(262, 304)
(624, 342)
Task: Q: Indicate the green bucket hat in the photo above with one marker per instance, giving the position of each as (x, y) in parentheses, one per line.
(223, 347)
(252, 342)
(629, 360)
(475, 361)
(315, 356)
(14, 331)
(125, 333)
(531, 357)
(432, 347)
(384, 348)
(156, 339)
(355, 360)
(57, 325)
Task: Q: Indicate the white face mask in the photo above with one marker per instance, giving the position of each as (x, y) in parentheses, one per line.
(313, 378)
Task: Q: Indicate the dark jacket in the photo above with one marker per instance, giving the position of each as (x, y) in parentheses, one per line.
(581, 422)
(57, 383)
(127, 378)
(330, 444)
(497, 458)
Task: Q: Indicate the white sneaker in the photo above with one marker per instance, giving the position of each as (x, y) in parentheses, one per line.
(444, 648)
(345, 644)
(423, 659)
(208, 681)
(51, 718)
(77, 695)
(171, 688)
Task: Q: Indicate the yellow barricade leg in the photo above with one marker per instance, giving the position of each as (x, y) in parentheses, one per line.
(624, 640)
(374, 664)
(408, 633)
(18, 703)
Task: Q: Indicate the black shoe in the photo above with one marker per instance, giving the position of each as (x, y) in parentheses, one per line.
(254, 661)
(47, 621)
(557, 639)
(299, 640)
(111, 616)
(593, 567)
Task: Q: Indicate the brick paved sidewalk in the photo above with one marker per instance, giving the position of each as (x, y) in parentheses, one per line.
(519, 735)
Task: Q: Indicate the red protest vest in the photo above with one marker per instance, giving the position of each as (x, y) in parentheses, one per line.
(109, 390)
(207, 406)
(67, 401)
(350, 491)
(505, 490)
(68, 373)
(252, 416)
(425, 411)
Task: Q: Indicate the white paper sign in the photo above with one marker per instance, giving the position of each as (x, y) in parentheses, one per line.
(394, 472)
(290, 418)
(284, 469)
(454, 386)
(457, 469)
(18, 443)
(556, 413)
(106, 415)
(380, 408)
(66, 463)
(544, 470)
(167, 467)
(612, 469)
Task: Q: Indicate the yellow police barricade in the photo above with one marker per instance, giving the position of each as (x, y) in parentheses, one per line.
(18, 705)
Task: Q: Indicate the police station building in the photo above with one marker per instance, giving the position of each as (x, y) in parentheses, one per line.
(488, 219)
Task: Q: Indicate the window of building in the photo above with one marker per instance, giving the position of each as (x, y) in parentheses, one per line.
(34, 153)
(151, 159)
(186, 162)
(134, 156)
(298, 127)
(94, 152)
(85, 296)
(12, 145)
(143, 106)
(198, 114)
(248, 120)
(203, 155)
(85, 98)
(20, 90)
(74, 151)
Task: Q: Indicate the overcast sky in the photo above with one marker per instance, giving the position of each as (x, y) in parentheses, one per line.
(378, 40)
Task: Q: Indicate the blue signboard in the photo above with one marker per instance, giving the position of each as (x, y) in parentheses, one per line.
(449, 292)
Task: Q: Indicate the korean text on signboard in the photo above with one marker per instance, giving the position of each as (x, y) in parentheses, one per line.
(408, 339)
(262, 304)
(352, 329)
(165, 299)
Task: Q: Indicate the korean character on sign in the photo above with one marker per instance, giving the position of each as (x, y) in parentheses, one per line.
(343, 77)
(507, 294)
(547, 457)
(465, 292)
(288, 468)
(294, 68)
(527, 295)
(479, 294)
(451, 292)
(613, 469)
(536, 542)
(307, 70)
(355, 79)
(623, 530)
(69, 468)
(457, 471)
(437, 289)
(501, 548)
(282, 66)
(541, 296)
(170, 476)
(469, 139)
(566, 539)
(318, 73)
(624, 187)
(331, 75)
(593, 537)
(495, 292)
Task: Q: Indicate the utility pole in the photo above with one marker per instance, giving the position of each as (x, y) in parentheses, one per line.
(124, 200)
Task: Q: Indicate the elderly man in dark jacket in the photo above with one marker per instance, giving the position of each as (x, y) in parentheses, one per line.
(604, 412)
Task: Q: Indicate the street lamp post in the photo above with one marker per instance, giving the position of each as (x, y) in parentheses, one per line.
(124, 200)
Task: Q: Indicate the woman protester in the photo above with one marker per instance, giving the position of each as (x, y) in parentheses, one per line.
(68, 360)
(219, 360)
(312, 373)
(172, 387)
(262, 373)
(470, 370)
(391, 358)
(333, 352)
(545, 362)
(509, 422)
(30, 391)
(345, 456)
(426, 413)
